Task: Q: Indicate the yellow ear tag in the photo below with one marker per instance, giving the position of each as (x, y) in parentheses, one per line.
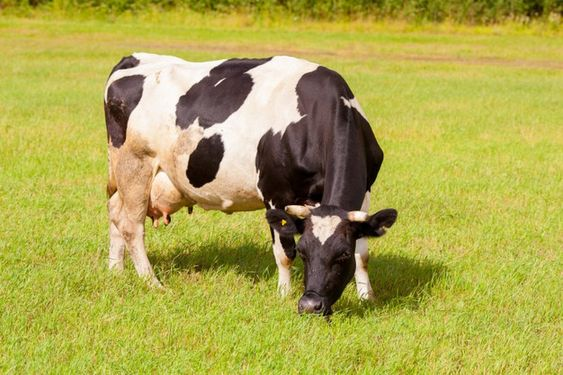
(283, 222)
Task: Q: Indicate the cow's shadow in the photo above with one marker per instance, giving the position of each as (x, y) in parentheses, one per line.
(254, 261)
(398, 281)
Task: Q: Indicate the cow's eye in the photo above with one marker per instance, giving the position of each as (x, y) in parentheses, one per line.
(344, 256)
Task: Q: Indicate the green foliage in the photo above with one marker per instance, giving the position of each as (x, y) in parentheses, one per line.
(468, 281)
(469, 11)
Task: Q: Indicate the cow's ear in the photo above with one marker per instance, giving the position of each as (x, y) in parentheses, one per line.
(374, 225)
(282, 222)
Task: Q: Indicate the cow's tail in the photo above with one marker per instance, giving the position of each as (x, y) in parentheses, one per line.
(111, 187)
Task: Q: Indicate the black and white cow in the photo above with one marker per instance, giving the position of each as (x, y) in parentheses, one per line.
(244, 134)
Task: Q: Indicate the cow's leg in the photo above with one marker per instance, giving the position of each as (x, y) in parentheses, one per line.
(128, 211)
(363, 285)
(284, 252)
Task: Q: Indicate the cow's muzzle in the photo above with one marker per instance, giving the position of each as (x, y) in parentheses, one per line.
(311, 302)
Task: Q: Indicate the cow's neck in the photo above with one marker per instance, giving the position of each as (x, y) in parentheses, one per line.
(346, 180)
(352, 162)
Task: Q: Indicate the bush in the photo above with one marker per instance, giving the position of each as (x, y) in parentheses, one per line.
(466, 11)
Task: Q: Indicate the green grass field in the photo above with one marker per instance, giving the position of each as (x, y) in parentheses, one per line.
(469, 280)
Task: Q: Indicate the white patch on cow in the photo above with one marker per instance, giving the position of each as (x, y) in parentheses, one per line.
(151, 58)
(324, 226)
(353, 103)
(275, 93)
(219, 82)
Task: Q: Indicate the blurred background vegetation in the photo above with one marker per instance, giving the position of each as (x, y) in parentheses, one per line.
(457, 11)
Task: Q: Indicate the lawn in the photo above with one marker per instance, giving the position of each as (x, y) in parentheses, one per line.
(469, 280)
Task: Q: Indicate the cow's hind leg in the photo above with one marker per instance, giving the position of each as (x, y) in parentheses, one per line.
(128, 209)
(116, 241)
(284, 252)
(363, 285)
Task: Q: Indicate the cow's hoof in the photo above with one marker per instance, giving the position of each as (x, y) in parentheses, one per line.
(157, 284)
(154, 283)
(367, 296)
(116, 265)
(284, 290)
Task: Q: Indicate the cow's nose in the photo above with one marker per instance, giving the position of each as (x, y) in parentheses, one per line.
(310, 303)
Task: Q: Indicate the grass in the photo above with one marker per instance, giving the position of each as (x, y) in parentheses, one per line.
(467, 281)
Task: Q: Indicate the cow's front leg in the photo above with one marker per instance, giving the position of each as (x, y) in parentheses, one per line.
(284, 252)
(363, 285)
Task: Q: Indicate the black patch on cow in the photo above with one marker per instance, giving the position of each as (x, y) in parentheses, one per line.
(126, 62)
(204, 161)
(288, 244)
(329, 156)
(122, 97)
(217, 96)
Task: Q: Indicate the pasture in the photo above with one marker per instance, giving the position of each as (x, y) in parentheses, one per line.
(468, 280)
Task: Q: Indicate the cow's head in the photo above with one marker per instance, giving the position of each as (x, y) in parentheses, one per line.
(327, 246)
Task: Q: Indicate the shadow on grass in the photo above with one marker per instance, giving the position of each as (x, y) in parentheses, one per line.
(398, 282)
(254, 261)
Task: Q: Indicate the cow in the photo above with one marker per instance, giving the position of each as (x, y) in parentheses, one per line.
(280, 133)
